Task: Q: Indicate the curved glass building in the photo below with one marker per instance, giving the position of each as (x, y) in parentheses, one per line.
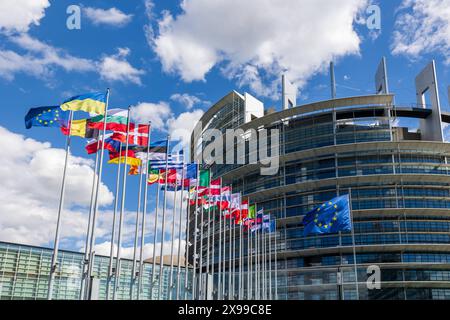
(392, 160)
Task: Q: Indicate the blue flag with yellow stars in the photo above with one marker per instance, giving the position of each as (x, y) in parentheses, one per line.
(331, 217)
(51, 116)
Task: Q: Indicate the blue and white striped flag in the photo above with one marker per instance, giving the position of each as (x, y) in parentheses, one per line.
(174, 161)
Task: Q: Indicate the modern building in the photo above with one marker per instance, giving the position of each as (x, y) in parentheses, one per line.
(24, 273)
(392, 159)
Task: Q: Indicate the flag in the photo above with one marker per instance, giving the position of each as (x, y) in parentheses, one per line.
(252, 211)
(331, 217)
(116, 120)
(242, 212)
(136, 136)
(153, 176)
(157, 151)
(203, 182)
(174, 161)
(116, 158)
(258, 221)
(234, 206)
(111, 145)
(214, 187)
(79, 128)
(134, 170)
(90, 102)
(51, 116)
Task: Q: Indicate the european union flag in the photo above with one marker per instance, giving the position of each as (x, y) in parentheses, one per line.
(51, 116)
(331, 217)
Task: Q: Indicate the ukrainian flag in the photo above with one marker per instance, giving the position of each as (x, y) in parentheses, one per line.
(89, 102)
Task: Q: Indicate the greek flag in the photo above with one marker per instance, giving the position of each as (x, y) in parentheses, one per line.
(174, 161)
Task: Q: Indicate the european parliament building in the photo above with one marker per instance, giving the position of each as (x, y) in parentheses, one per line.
(24, 275)
(393, 160)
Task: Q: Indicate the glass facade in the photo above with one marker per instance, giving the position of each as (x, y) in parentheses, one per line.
(400, 192)
(24, 272)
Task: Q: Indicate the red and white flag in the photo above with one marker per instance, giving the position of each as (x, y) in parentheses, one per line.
(137, 136)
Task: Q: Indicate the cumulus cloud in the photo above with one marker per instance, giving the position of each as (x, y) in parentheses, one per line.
(188, 101)
(117, 68)
(19, 15)
(111, 16)
(265, 38)
(181, 127)
(423, 26)
(31, 180)
(157, 113)
(39, 59)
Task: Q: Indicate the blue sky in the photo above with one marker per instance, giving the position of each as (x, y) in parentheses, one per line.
(172, 63)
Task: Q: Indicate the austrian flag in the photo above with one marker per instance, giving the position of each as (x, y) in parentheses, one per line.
(137, 136)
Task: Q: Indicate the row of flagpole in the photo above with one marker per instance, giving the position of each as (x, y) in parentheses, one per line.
(232, 275)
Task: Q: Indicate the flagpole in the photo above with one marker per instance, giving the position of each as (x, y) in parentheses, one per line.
(163, 223)
(208, 242)
(144, 213)
(122, 210)
(240, 252)
(99, 179)
(249, 259)
(177, 297)
(270, 260)
(186, 264)
(212, 244)
(54, 263)
(194, 270)
(174, 211)
(111, 251)
(155, 234)
(276, 262)
(219, 265)
(230, 245)
(201, 255)
(233, 280)
(136, 235)
(88, 232)
(353, 243)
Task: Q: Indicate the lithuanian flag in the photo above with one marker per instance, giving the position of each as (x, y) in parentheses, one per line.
(89, 102)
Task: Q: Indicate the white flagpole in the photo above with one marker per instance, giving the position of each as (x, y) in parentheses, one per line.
(276, 262)
(144, 213)
(111, 251)
(180, 222)
(212, 245)
(270, 260)
(136, 234)
(230, 250)
(194, 269)
(174, 212)
(163, 224)
(201, 255)
(186, 266)
(99, 179)
(233, 280)
(249, 259)
(208, 261)
(54, 263)
(122, 211)
(83, 291)
(240, 252)
(355, 265)
(155, 235)
(219, 264)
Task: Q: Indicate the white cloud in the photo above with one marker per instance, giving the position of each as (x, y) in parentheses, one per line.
(187, 100)
(157, 113)
(18, 15)
(264, 39)
(181, 127)
(116, 68)
(31, 179)
(112, 16)
(40, 59)
(423, 26)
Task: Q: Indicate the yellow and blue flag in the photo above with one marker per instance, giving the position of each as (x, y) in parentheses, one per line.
(331, 217)
(90, 102)
(51, 116)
